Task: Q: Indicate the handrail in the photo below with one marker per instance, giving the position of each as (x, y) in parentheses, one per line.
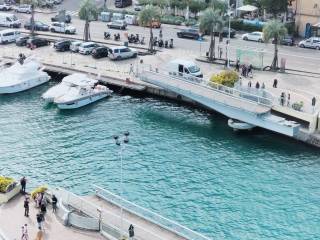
(151, 216)
(84, 205)
(229, 91)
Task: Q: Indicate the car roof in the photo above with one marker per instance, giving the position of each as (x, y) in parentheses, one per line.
(9, 30)
(87, 43)
(118, 47)
(183, 62)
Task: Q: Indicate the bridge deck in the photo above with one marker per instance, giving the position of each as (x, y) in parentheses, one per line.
(191, 89)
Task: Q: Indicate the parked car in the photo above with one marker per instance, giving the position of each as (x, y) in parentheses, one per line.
(38, 26)
(5, 7)
(57, 1)
(22, 41)
(74, 47)
(100, 52)
(189, 33)
(117, 24)
(87, 47)
(313, 42)
(62, 45)
(37, 42)
(122, 52)
(287, 40)
(24, 8)
(61, 27)
(254, 36)
(61, 18)
(9, 35)
(138, 7)
(225, 32)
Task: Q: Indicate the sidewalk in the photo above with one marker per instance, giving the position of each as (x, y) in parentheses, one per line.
(12, 219)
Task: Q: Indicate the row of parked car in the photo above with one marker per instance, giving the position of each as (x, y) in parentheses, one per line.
(26, 8)
(96, 50)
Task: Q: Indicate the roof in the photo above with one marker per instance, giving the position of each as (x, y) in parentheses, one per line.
(247, 8)
(9, 30)
(183, 62)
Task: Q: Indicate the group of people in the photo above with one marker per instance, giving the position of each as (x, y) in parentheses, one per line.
(246, 70)
(258, 86)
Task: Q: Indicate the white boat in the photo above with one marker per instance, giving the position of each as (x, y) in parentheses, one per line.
(68, 82)
(20, 77)
(238, 125)
(80, 96)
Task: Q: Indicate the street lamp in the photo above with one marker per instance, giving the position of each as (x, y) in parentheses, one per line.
(229, 30)
(121, 142)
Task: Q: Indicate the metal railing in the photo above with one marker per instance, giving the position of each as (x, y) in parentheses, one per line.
(105, 217)
(148, 215)
(244, 95)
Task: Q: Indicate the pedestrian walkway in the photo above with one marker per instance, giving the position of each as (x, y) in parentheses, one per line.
(12, 219)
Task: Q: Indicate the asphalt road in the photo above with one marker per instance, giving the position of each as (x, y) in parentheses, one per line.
(296, 58)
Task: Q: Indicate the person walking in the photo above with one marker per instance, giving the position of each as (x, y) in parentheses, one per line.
(40, 219)
(237, 65)
(282, 99)
(160, 34)
(313, 103)
(131, 69)
(23, 183)
(220, 52)
(257, 85)
(24, 235)
(275, 83)
(54, 201)
(249, 84)
(288, 100)
(249, 71)
(263, 86)
(131, 232)
(26, 207)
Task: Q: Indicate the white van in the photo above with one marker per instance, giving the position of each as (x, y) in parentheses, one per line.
(9, 20)
(9, 35)
(181, 67)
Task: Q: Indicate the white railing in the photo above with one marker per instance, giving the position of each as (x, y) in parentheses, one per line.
(110, 222)
(244, 95)
(148, 215)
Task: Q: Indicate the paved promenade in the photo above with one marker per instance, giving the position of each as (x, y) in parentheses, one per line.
(12, 219)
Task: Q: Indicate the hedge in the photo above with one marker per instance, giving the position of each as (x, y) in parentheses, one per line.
(227, 78)
(174, 20)
(238, 25)
(4, 183)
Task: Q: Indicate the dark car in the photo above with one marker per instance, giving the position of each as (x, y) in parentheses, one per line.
(62, 45)
(22, 41)
(38, 26)
(100, 52)
(189, 33)
(287, 40)
(37, 42)
(225, 32)
(61, 18)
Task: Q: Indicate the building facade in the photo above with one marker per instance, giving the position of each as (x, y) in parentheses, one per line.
(307, 16)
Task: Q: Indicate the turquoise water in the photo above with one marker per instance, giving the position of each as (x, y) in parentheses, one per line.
(181, 162)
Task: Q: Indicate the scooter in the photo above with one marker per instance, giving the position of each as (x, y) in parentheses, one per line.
(117, 37)
(166, 44)
(160, 43)
(107, 35)
(142, 42)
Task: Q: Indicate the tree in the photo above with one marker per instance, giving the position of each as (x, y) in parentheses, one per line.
(275, 6)
(211, 21)
(146, 17)
(276, 31)
(88, 12)
(34, 4)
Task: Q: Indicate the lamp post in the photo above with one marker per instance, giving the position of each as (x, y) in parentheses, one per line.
(121, 143)
(229, 30)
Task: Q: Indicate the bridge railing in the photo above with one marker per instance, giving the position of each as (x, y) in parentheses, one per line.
(148, 215)
(245, 95)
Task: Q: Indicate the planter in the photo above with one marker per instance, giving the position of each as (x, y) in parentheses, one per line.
(5, 197)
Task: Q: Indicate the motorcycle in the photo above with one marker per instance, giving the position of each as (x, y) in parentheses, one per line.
(166, 44)
(107, 35)
(142, 42)
(160, 43)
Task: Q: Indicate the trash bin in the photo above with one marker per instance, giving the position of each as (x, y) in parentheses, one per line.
(126, 44)
(283, 65)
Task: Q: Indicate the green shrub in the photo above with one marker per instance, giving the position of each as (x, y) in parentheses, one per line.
(190, 22)
(237, 24)
(41, 189)
(5, 182)
(174, 20)
(227, 78)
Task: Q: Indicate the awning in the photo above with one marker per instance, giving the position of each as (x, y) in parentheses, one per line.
(247, 8)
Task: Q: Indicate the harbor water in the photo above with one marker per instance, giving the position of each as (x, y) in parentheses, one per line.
(183, 163)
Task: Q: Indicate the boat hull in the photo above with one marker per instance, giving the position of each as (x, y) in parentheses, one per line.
(82, 102)
(25, 85)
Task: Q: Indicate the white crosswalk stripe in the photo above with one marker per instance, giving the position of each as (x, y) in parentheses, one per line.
(73, 13)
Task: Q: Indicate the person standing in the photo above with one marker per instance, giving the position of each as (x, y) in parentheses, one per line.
(275, 83)
(313, 103)
(288, 100)
(249, 84)
(40, 218)
(24, 235)
(23, 183)
(263, 86)
(54, 201)
(237, 65)
(26, 207)
(282, 98)
(257, 85)
(131, 232)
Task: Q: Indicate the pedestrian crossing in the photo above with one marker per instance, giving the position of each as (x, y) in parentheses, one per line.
(73, 13)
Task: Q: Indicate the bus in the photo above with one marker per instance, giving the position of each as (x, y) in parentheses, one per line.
(122, 3)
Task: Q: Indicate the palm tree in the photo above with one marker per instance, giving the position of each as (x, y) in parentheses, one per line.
(274, 30)
(34, 4)
(88, 12)
(211, 21)
(146, 17)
